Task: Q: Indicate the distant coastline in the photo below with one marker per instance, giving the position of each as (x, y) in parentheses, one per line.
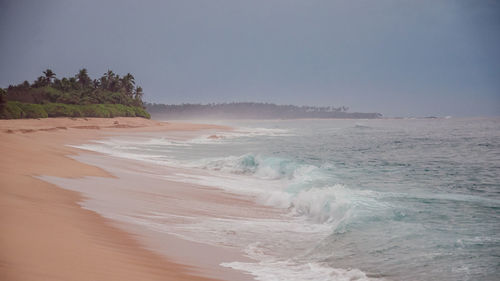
(251, 110)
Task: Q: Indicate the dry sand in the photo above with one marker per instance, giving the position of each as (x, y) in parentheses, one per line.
(45, 234)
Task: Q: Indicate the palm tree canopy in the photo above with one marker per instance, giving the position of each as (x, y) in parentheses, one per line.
(129, 77)
(49, 73)
(83, 77)
(138, 92)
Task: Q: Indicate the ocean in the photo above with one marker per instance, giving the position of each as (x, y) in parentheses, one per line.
(383, 199)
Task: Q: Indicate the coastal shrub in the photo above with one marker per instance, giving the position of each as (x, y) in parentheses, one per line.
(31, 110)
(16, 110)
(141, 112)
(120, 110)
(95, 110)
(11, 110)
(62, 110)
(128, 110)
(113, 110)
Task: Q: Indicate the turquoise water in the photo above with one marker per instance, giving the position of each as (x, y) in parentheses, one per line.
(395, 199)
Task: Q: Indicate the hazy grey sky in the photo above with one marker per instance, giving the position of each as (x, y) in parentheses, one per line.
(400, 58)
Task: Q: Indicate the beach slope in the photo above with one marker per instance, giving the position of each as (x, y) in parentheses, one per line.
(45, 234)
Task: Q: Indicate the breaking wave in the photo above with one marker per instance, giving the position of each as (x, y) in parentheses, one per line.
(305, 190)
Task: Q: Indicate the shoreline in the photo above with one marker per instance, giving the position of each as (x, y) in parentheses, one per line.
(139, 191)
(46, 233)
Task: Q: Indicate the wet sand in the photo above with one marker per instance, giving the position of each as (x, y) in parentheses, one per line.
(46, 235)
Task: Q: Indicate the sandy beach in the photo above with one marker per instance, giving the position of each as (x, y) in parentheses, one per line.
(46, 235)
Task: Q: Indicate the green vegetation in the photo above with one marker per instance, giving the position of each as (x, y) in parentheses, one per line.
(31, 110)
(18, 110)
(78, 96)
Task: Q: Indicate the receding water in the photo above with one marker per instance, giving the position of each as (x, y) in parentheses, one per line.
(394, 199)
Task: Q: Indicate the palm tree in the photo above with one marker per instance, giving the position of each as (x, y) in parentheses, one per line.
(73, 83)
(128, 82)
(103, 82)
(3, 97)
(129, 77)
(138, 93)
(109, 81)
(138, 97)
(96, 83)
(65, 84)
(83, 77)
(49, 74)
(40, 82)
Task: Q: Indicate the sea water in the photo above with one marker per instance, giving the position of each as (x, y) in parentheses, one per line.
(391, 199)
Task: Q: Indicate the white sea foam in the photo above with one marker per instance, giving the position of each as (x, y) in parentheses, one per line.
(269, 168)
(240, 133)
(284, 184)
(268, 268)
(406, 198)
(271, 181)
(143, 142)
(329, 205)
(153, 159)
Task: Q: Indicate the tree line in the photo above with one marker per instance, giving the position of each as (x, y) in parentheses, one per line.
(110, 95)
(110, 88)
(250, 110)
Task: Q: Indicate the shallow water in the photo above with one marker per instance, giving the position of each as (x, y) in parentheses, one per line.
(395, 199)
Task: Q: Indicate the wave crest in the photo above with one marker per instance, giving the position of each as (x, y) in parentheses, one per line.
(269, 168)
(304, 189)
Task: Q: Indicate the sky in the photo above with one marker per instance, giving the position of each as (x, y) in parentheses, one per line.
(395, 57)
